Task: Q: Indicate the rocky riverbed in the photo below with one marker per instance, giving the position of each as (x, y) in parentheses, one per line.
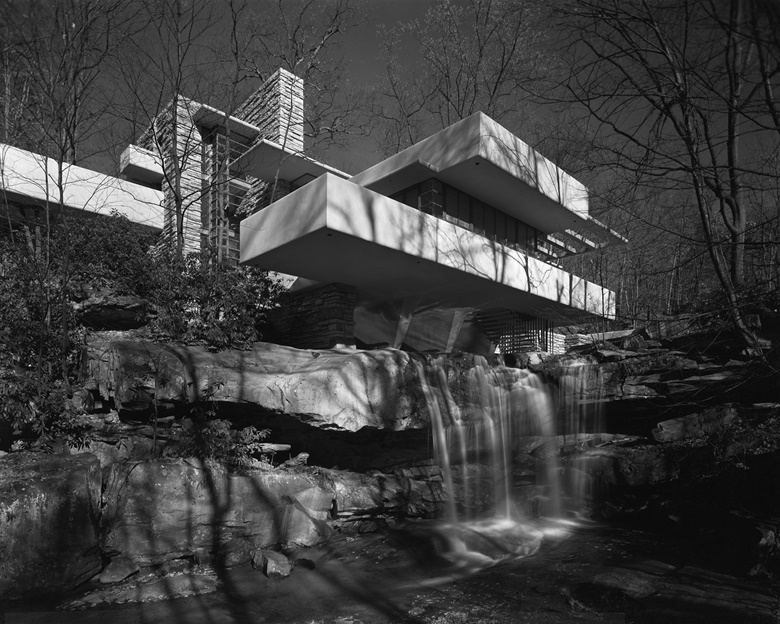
(680, 452)
(587, 573)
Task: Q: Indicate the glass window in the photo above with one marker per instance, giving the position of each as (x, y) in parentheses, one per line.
(411, 197)
(464, 213)
(450, 203)
(511, 232)
(490, 221)
(478, 216)
(500, 227)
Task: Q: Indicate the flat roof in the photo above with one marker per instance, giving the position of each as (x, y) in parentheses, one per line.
(211, 117)
(264, 158)
(32, 178)
(484, 159)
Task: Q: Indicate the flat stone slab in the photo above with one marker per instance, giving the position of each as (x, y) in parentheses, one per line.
(150, 588)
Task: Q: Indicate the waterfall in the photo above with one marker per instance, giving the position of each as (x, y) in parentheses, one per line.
(497, 434)
(581, 419)
(475, 441)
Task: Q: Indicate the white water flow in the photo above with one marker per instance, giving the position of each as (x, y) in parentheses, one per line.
(581, 418)
(477, 438)
(497, 440)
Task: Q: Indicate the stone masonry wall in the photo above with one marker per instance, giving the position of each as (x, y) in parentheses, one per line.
(277, 109)
(317, 319)
(182, 140)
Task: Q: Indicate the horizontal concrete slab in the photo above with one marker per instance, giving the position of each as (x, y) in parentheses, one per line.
(332, 230)
(32, 178)
(482, 158)
(265, 159)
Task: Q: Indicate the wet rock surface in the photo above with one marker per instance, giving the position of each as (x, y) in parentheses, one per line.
(681, 545)
(592, 573)
(118, 569)
(147, 587)
(49, 507)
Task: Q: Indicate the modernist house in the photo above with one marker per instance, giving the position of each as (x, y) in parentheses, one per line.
(454, 243)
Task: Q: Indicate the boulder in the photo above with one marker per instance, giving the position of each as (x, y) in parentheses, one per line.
(694, 424)
(637, 465)
(273, 564)
(608, 375)
(158, 510)
(357, 496)
(633, 583)
(347, 388)
(105, 309)
(49, 507)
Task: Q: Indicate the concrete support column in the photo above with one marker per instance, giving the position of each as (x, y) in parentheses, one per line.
(458, 316)
(408, 306)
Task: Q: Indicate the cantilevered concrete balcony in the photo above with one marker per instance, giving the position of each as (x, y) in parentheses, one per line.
(333, 230)
(142, 166)
(482, 158)
(30, 178)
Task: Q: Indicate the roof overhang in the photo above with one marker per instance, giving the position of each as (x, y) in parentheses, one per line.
(485, 160)
(210, 117)
(332, 230)
(141, 165)
(34, 179)
(265, 159)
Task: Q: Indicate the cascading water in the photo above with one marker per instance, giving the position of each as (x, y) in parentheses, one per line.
(496, 490)
(475, 438)
(580, 415)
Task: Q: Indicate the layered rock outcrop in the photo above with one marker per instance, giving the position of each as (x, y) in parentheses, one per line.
(345, 388)
(161, 510)
(57, 524)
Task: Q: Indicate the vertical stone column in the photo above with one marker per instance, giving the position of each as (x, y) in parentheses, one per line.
(277, 109)
(318, 318)
(180, 146)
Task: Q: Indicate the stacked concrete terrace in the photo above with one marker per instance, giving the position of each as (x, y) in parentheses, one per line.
(464, 229)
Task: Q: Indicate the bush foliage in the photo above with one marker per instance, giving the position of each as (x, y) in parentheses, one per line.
(214, 440)
(47, 265)
(208, 302)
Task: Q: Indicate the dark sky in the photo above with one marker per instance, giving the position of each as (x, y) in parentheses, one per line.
(361, 54)
(362, 50)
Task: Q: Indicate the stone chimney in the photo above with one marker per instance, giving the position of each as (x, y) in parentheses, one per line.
(277, 109)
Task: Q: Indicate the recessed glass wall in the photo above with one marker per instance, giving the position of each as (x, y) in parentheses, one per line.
(450, 204)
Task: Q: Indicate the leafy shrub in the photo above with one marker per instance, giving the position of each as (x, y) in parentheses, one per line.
(43, 271)
(107, 251)
(214, 303)
(38, 344)
(215, 440)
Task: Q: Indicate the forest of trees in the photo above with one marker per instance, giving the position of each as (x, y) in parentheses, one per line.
(665, 109)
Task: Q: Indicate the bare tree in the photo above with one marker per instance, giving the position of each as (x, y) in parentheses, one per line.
(54, 54)
(305, 38)
(168, 60)
(184, 54)
(675, 92)
(483, 56)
